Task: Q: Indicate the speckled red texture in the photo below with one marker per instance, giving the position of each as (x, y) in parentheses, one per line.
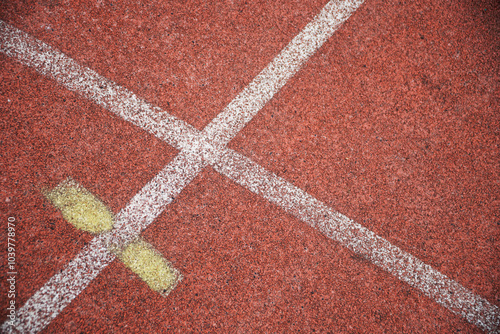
(248, 267)
(394, 123)
(190, 58)
(53, 134)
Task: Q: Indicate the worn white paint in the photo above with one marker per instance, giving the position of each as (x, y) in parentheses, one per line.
(200, 148)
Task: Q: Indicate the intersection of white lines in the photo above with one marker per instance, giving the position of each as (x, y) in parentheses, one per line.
(208, 147)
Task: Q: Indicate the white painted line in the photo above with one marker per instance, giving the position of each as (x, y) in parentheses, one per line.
(437, 286)
(360, 240)
(61, 289)
(56, 294)
(150, 202)
(268, 82)
(144, 207)
(86, 82)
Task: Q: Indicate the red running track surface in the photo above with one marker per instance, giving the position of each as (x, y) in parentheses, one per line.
(394, 122)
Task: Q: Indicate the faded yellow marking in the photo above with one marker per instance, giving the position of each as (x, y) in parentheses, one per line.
(87, 213)
(80, 207)
(140, 257)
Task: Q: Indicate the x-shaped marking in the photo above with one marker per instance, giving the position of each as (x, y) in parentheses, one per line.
(199, 149)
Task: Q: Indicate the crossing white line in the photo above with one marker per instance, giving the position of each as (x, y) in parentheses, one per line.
(144, 207)
(437, 286)
(197, 148)
(86, 82)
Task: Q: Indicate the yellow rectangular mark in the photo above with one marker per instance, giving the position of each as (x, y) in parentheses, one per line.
(80, 207)
(140, 257)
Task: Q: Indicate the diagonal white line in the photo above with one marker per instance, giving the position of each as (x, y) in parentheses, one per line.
(360, 240)
(403, 265)
(263, 87)
(144, 207)
(197, 148)
(437, 286)
(86, 82)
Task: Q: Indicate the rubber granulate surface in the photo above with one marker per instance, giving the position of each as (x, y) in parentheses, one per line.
(392, 122)
(397, 127)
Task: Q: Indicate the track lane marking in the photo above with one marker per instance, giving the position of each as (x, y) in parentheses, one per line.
(336, 226)
(196, 149)
(79, 79)
(88, 213)
(269, 81)
(144, 207)
(465, 303)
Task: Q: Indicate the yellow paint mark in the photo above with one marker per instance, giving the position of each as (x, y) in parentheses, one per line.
(140, 257)
(79, 207)
(87, 213)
